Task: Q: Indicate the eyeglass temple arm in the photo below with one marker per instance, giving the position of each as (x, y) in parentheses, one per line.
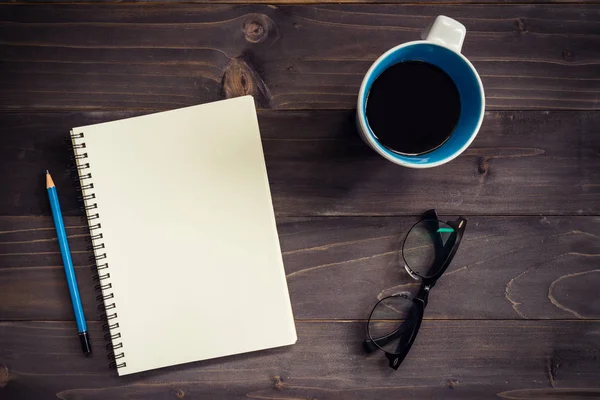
(449, 250)
(459, 225)
(404, 347)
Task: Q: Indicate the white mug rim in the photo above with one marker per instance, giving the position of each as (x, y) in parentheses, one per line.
(368, 134)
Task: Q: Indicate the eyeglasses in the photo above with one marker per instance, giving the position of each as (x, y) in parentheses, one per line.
(428, 250)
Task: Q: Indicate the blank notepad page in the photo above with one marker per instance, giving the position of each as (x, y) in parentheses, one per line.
(188, 235)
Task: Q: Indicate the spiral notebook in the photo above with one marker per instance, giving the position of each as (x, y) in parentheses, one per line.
(184, 235)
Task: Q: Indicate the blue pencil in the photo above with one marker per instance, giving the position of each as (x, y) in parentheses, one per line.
(68, 263)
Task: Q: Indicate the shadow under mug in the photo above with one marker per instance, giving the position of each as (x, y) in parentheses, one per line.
(441, 47)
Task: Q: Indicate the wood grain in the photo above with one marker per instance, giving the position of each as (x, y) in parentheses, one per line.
(83, 57)
(337, 268)
(450, 360)
(521, 163)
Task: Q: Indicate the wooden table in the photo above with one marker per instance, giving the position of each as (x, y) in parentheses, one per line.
(515, 317)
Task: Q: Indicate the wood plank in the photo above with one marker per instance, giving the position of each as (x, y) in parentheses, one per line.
(74, 57)
(521, 163)
(450, 360)
(337, 268)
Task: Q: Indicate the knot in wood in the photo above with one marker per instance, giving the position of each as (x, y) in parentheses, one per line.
(568, 55)
(483, 166)
(258, 27)
(277, 382)
(521, 25)
(240, 79)
(254, 31)
(4, 376)
(452, 383)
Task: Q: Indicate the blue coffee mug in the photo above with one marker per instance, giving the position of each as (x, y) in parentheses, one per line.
(441, 47)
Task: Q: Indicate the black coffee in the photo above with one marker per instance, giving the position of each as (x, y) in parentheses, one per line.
(413, 107)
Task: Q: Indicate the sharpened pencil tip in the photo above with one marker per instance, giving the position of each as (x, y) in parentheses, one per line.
(49, 181)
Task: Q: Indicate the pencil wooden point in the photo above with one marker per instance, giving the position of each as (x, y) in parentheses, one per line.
(49, 181)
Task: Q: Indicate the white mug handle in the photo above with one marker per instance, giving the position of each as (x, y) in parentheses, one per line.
(446, 32)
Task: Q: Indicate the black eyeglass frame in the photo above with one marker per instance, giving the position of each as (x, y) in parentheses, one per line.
(412, 323)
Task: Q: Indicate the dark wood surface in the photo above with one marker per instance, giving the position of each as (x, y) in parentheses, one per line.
(450, 360)
(521, 163)
(290, 57)
(517, 315)
(508, 268)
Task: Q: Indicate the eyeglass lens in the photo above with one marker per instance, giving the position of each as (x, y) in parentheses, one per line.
(392, 322)
(426, 247)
